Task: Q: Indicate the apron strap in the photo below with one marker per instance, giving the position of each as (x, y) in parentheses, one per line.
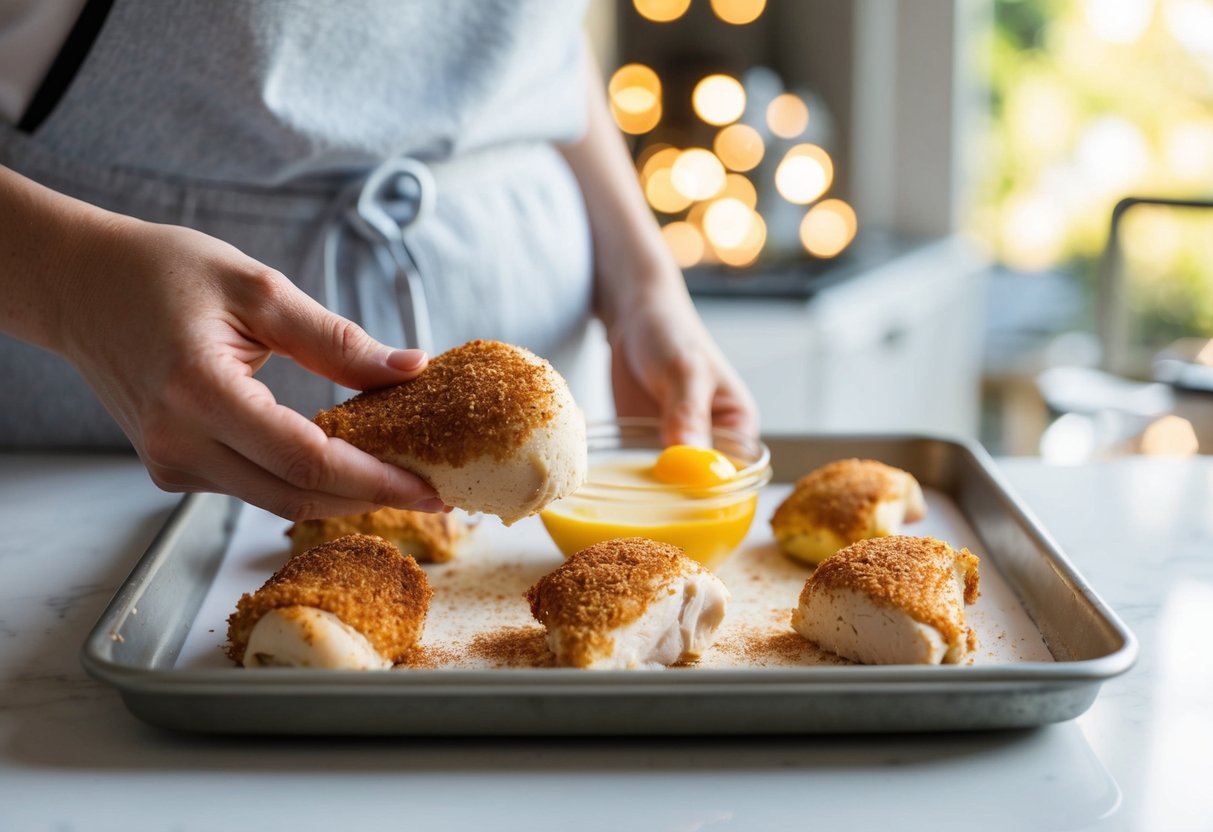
(66, 64)
(397, 194)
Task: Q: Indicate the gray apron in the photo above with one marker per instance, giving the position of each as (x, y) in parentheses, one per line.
(464, 225)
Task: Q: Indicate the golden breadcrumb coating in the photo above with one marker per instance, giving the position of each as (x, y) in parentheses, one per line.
(427, 536)
(363, 580)
(840, 496)
(483, 399)
(914, 574)
(604, 587)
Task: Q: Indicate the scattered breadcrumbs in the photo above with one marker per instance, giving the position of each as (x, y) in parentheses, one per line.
(760, 647)
(427, 657)
(513, 647)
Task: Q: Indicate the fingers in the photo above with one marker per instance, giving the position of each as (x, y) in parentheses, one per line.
(686, 414)
(256, 486)
(734, 408)
(298, 452)
(240, 413)
(293, 324)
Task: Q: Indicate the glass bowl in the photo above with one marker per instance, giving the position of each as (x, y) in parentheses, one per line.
(707, 522)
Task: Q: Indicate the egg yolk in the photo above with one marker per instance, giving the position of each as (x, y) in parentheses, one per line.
(688, 465)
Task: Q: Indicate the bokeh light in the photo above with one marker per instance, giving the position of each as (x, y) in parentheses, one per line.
(661, 11)
(1188, 152)
(805, 173)
(1151, 237)
(634, 94)
(747, 251)
(787, 116)
(738, 12)
(718, 99)
(727, 222)
(698, 174)
(1112, 155)
(1041, 116)
(739, 146)
(1033, 231)
(738, 187)
(685, 243)
(1190, 22)
(1170, 436)
(1070, 440)
(663, 156)
(828, 228)
(1119, 21)
(659, 190)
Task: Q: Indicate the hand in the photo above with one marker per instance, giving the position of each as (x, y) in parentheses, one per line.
(663, 361)
(665, 364)
(169, 325)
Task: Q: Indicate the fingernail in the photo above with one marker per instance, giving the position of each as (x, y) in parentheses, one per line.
(406, 360)
(432, 504)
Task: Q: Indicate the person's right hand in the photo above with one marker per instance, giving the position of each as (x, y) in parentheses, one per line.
(168, 326)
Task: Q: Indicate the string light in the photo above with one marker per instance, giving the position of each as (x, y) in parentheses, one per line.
(741, 189)
(727, 221)
(663, 157)
(718, 99)
(697, 174)
(708, 188)
(828, 228)
(661, 11)
(685, 243)
(738, 12)
(659, 190)
(746, 253)
(739, 146)
(634, 94)
(805, 173)
(787, 116)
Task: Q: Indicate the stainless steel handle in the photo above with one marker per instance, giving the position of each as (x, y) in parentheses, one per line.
(1112, 314)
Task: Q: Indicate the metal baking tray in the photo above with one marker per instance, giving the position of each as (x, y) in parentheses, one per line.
(136, 642)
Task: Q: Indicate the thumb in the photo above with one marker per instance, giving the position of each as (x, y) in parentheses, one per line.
(686, 412)
(332, 346)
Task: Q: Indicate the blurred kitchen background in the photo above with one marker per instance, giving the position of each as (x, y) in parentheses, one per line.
(898, 215)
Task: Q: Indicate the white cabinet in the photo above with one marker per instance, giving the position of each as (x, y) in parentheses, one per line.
(894, 349)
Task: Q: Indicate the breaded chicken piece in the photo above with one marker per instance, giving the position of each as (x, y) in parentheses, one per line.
(891, 600)
(354, 603)
(429, 537)
(492, 427)
(628, 603)
(845, 501)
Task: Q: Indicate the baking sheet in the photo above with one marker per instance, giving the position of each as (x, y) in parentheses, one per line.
(479, 618)
(138, 641)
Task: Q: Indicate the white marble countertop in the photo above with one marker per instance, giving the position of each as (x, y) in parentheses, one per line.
(72, 757)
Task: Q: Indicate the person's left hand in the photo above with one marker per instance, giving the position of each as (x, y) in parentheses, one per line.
(665, 364)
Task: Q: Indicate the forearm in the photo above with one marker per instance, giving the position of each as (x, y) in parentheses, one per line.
(42, 235)
(663, 360)
(632, 263)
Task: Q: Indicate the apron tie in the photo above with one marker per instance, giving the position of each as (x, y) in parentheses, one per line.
(387, 300)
